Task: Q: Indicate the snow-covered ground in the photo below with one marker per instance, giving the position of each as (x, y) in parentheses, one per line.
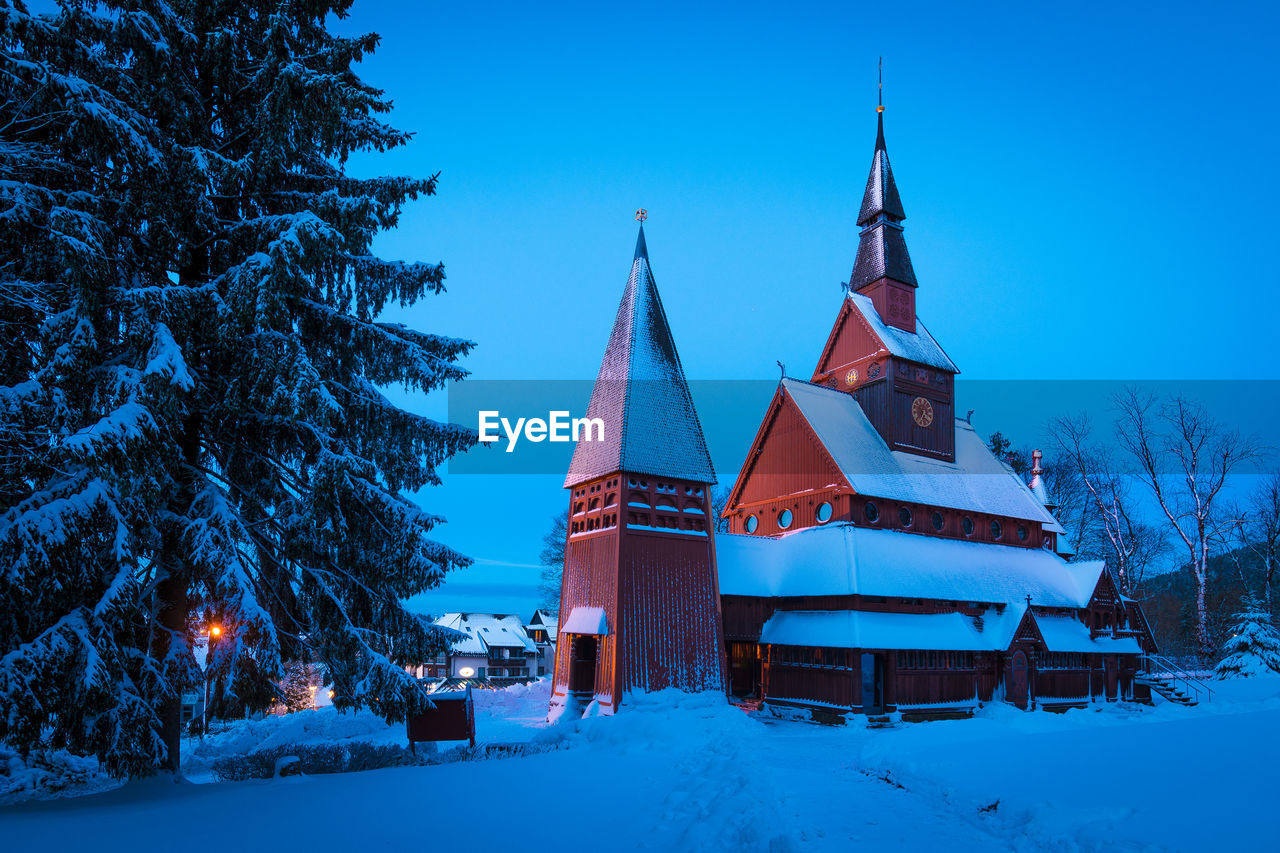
(680, 772)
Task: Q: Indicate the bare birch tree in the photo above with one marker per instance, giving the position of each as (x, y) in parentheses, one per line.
(1129, 544)
(1185, 458)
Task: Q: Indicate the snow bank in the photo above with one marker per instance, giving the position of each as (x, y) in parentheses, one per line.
(1109, 776)
(49, 775)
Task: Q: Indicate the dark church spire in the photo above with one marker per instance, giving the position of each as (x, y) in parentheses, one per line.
(882, 251)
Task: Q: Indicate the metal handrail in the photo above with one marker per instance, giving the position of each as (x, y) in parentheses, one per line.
(1169, 668)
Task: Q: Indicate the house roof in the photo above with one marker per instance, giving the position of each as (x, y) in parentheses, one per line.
(487, 631)
(918, 346)
(976, 481)
(844, 559)
(650, 425)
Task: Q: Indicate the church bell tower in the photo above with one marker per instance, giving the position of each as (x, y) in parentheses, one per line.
(639, 600)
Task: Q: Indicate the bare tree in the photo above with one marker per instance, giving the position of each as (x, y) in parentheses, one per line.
(551, 558)
(719, 498)
(1185, 457)
(1129, 544)
(1259, 531)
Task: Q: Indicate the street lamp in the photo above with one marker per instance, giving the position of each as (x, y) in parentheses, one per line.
(215, 631)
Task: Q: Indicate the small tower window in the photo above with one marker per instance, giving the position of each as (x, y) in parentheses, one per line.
(872, 512)
(938, 521)
(996, 529)
(751, 524)
(824, 512)
(966, 524)
(904, 517)
(784, 519)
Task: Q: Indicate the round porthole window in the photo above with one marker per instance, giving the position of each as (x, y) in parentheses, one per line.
(1022, 533)
(784, 519)
(938, 521)
(996, 530)
(824, 512)
(966, 524)
(872, 512)
(904, 517)
(751, 524)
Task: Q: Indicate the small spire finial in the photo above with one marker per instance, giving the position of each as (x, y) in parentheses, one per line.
(642, 215)
(1036, 456)
(880, 86)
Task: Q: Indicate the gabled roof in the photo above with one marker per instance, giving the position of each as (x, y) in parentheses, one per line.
(919, 346)
(651, 426)
(845, 559)
(976, 481)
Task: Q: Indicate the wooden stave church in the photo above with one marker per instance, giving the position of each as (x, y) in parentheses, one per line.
(879, 557)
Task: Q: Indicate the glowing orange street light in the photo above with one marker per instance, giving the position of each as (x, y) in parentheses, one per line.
(215, 631)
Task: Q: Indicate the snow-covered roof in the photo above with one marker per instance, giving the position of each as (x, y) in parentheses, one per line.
(852, 629)
(1065, 634)
(918, 346)
(844, 559)
(650, 425)
(585, 620)
(485, 631)
(977, 481)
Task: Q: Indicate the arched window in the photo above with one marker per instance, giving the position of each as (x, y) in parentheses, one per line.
(784, 519)
(824, 513)
(997, 530)
(751, 524)
(966, 524)
(872, 512)
(938, 521)
(904, 517)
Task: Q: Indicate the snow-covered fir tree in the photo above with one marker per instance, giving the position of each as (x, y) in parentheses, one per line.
(1253, 644)
(191, 408)
(298, 686)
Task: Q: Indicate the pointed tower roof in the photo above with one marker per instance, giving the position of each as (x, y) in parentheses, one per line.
(650, 424)
(881, 195)
(882, 251)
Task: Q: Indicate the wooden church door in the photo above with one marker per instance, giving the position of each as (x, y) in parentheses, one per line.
(872, 683)
(1018, 679)
(582, 665)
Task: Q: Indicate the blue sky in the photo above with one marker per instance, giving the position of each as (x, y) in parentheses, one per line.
(1089, 192)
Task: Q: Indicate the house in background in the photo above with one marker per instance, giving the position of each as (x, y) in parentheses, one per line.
(498, 648)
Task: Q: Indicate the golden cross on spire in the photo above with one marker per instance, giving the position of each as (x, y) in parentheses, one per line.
(642, 215)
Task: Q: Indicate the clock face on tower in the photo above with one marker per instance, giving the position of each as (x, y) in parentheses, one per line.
(922, 411)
